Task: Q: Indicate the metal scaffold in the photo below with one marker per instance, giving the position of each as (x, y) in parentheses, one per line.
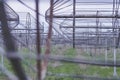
(86, 25)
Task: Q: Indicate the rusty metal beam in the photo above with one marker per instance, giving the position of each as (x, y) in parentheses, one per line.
(48, 42)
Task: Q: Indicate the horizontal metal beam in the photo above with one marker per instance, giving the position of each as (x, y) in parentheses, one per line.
(23, 33)
(93, 47)
(86, 34)
(12, 19)
(87, 37)
(99, 27)
(86, 16)
(24, 29)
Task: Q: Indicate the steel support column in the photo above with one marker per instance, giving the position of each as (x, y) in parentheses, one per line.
(48, 42)
(38, 40)
(74, 13)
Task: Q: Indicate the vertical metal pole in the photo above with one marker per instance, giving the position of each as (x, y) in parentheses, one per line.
(47, 51)
(97, 33)
(114, 25)
(50, 28)
(115, 70)
(74, 13)
(106, 55)
(38, 40)
(2, 61)
(106, 51)
(28, 25)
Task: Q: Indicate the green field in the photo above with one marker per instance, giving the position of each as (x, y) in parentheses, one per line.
(57, 67)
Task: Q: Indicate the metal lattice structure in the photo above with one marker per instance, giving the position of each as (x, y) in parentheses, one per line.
(80, 24)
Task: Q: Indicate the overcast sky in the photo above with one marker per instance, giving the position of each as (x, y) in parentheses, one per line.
(44, 5)
(18, 7)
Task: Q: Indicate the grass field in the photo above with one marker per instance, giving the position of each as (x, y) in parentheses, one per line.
(67, 68)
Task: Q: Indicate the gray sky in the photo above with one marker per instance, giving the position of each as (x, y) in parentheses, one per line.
(44, 5)
(18, 7)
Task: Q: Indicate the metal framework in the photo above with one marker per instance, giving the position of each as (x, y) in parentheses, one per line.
(82, 19)
(95, 26)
